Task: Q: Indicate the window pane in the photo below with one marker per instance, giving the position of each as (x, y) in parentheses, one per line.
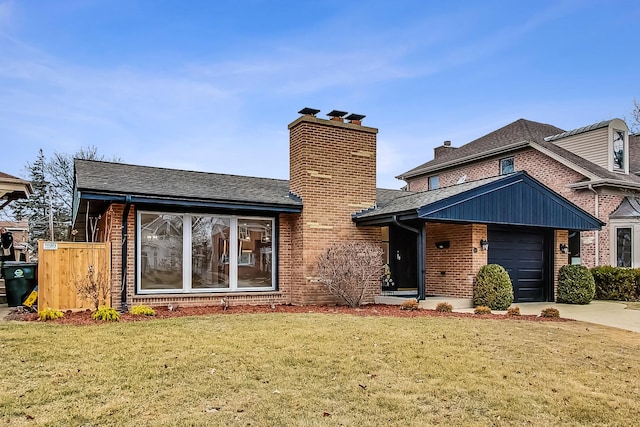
(160, 251)
(506, 166)
(623, 253)
(618, 149)
(210, 252)
(434, 182)
(255, 255)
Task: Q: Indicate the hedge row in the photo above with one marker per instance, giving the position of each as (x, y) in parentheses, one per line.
(617, 283)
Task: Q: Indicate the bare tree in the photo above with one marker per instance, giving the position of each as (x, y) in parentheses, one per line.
(635, 118)
(351, 269)
(94, 287)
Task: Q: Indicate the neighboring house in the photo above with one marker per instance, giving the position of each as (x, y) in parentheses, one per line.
(13, 188)
(20, 232)
(595, 167)
(193, 238)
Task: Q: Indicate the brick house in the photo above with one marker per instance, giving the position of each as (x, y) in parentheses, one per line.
(193, 238)
(594, 167)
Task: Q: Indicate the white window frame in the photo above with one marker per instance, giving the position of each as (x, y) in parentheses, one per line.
(187, 255)
(625, 148)
(616, 224)
(430, 180)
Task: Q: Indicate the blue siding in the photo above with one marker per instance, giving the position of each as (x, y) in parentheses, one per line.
(516, 200)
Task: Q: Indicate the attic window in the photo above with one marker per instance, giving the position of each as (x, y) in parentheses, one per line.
(507, 166)
(434, 182)
(618, 150)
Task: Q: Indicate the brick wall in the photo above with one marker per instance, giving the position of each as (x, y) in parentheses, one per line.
(111, 229)
(451, 271)
(333, 170)
(554, 175)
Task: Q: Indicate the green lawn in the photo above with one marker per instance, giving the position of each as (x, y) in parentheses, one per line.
(318, 369)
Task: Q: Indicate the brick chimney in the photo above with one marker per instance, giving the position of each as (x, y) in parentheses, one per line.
(443, 149)
(332, 168)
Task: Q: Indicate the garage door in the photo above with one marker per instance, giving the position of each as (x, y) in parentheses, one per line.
(522, 254)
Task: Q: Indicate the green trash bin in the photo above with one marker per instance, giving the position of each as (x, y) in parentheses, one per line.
(20, 278)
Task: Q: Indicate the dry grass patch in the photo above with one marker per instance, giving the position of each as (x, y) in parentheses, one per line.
(318, 369)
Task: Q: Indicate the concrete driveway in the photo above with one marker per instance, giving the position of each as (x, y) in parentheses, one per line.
(607, 313)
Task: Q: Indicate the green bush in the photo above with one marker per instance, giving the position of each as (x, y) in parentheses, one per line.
(49, 314)
(492, 288)
(575, 285)
(482, 309)
(444, 307)
(142, 310)
(616, 283)
(107, 314)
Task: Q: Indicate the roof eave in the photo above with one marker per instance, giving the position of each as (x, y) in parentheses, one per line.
(385, 218)
(189, 202)
(466, 159)
(604, 183)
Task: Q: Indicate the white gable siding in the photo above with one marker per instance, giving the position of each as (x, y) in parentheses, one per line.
(593, 146)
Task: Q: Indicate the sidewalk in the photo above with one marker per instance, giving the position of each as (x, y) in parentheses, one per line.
(605, 313)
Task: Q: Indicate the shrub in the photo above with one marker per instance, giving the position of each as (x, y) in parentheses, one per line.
(615, 283)
(409, 304)
(550, 312)
(492, 288)
(94, 287)
(351, 269)
(513, 311)
(50, 314)
(575, 285)
(482, 309)
(142, 310)
(444, 307)
(107, 314)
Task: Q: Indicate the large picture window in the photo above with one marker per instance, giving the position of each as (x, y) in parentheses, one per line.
(161, 254)
(204, 253)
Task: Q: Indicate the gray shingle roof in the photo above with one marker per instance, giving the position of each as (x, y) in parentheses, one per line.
(125, 179)
(407, 201)
(146, 181)
(519, 131)
(532, 132)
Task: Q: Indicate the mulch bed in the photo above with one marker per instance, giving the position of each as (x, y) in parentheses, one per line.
(84, 317)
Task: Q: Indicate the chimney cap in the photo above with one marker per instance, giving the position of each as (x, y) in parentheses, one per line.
(309, 111)
(447, 143)
(356, 117)
(336, 113)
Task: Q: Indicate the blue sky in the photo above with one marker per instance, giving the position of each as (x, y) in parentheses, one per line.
(212, 85)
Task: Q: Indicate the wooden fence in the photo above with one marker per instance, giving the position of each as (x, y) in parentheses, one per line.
(64, 265)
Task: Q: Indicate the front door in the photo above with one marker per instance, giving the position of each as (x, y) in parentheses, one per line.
(403, 258)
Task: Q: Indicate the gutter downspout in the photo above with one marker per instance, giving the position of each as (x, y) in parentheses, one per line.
(124, 259)
(597, 233)
(421, 255)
